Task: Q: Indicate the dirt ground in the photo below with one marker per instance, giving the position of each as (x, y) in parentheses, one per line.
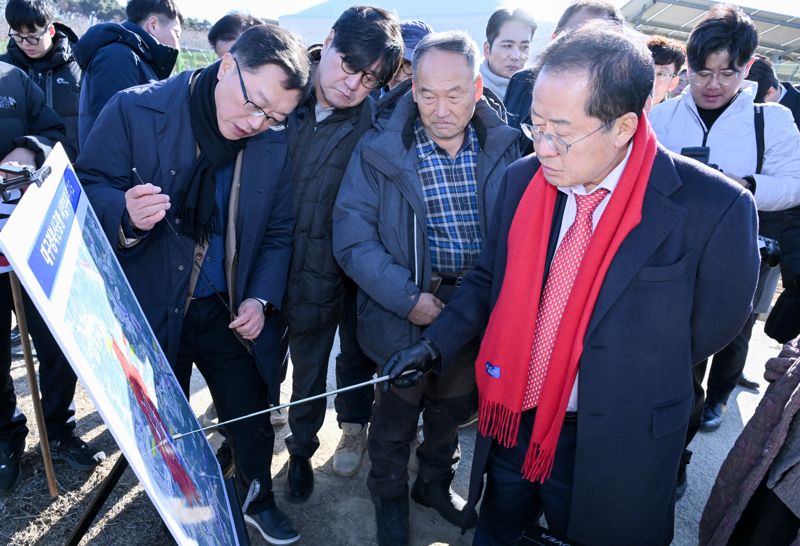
(338, 513)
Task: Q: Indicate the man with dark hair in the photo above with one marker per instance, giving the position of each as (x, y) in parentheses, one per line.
(43, 49)
(28, 131)
(717, 123)
(360, 54)
(116, 56)
(605, 276)
(213, 142)
(668, 56)
(445, 179)
(761, 71)
(224, 32)
(772, 90)
(518, 95)
(506, 49)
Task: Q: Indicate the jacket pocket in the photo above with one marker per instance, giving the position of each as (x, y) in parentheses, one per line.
(671, 416)
(662, 273)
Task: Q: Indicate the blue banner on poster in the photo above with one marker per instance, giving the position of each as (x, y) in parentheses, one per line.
(48, 249)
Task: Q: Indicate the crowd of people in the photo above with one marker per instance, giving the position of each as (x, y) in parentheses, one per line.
(553, 247)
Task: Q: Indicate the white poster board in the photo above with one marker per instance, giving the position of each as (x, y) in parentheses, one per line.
(62, 257)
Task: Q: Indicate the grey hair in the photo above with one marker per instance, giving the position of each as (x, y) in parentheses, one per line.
(455, 41)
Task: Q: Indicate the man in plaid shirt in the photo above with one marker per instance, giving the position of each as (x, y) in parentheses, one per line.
(409, 222)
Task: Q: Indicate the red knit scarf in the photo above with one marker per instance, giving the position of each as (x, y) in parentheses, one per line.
(503, 362)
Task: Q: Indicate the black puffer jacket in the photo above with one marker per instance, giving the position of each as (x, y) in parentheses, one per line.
(114, 57)
(319, 154)
(58, 75)
(25, 119)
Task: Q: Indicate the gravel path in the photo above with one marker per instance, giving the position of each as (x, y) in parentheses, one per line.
(338, 513)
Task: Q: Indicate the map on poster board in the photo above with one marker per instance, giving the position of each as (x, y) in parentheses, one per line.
(62, 257)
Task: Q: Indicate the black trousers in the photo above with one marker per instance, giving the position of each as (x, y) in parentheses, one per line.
(765, 520)
(511, 503)
(310, 353)
(727, 365)
(446, 401)
(56, 379)
(236, 386)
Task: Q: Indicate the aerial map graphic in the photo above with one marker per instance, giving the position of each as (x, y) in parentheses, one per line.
(62, 257)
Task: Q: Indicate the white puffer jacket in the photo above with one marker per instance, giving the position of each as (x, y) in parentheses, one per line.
(732, 143)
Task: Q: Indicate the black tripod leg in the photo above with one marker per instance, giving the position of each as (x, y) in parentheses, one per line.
(97, 502)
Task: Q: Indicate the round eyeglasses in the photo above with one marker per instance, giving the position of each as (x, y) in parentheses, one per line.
(724, 77)
(368, 79)
(558, 143)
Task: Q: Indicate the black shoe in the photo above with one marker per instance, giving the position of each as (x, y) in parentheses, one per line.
(683, 483)
(391, 516)
(15, 337)
(225, 459)
(712, 416)
(9, 468)
(748, 384)
(439, 496)
(274, 526)
(75, 452)
(300, 479)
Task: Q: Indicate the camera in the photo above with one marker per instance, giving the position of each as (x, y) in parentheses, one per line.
(770, 251)
(701, 154)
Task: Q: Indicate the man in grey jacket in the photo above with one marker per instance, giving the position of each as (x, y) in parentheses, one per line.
(409, 221)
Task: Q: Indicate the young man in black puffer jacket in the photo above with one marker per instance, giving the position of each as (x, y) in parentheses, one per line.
(42, 49)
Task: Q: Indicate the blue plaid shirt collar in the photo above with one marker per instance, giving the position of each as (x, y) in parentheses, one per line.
(426, 145)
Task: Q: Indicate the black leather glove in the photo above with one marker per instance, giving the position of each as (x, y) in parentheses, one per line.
(418, 359)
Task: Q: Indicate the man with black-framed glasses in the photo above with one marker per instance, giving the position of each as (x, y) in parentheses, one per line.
(43, 49)
(361, 53)
(202, 141)
(717, 121)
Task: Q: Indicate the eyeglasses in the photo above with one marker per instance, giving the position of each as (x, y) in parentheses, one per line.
(405, 69)
(724, 77)
(255, 110)
(664, 75)
(368, 79)
(558, 143)
(32, 40)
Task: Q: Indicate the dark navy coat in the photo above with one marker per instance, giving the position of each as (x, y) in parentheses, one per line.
(149, 128)
(678, 290)
(114, 57)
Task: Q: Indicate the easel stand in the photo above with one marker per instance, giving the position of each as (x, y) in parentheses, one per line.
(25, 176)
(19, 311)
(111, 481)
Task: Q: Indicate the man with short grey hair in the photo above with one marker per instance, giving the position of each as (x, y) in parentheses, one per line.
(410, 220)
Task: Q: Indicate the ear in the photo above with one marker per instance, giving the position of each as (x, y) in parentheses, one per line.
(151, 25)
(478, 88)
(328, 40)
(414, 89)
(746, 70)
(51, 30)
(487, 49)
(226, 65)
(624, 128)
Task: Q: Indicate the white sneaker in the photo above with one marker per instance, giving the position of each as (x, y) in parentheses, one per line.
(352, 444)
(280, 417)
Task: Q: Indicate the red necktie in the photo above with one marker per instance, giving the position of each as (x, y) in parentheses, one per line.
(557, 288)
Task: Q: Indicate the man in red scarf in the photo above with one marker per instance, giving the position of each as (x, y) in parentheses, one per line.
(603, 280)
